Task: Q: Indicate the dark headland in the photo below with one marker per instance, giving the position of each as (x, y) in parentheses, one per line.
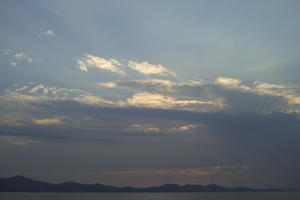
(23, 184)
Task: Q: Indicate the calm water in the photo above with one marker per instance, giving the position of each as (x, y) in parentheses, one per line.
(153, 196)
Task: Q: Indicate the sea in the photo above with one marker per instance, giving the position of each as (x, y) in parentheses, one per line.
(153, 196)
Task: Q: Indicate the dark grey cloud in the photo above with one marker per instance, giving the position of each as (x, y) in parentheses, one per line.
(100, 136)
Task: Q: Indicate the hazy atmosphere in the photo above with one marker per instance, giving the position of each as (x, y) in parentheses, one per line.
(143, 93)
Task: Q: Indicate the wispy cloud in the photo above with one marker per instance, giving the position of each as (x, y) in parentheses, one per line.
(114, 65)
(19, 141)
(89, 61)
(148, 128)
(162, 101)
(47, 121)
(13, 64)
(150, 69)
(185, 128)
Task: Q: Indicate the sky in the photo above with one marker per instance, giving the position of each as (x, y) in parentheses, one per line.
(143, 93)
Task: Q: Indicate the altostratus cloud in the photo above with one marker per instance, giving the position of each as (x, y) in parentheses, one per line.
(119, 67)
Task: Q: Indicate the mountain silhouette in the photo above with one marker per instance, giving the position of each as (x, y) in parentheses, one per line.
(24, 184)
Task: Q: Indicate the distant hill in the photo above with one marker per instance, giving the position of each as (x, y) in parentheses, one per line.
(23, 184)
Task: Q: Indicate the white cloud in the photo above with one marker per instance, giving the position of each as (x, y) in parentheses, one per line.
(48, 33)
(89, 61)
(150, 69)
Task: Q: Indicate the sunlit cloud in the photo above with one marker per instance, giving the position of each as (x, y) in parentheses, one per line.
(224, 93)
(228, 81)
(150, 69)
(290, 92)
(36, 88)
(47, 121)
(162, 101)
(186, 127)
(90, 61)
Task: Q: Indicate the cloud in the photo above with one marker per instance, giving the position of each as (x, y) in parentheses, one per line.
(13, 64)
(147, 85)
(162, 101)
(150, 69)
(290, 92)
(47, 121)
(19, 141)
(228, 81)
(148, 128)
(202, 171)
(186, 127)
(35, 93)
(6, 52)
(113, 65)
(108, 84)
(48, 33)
(22, 56)
(35, 89)
(225, 94)
(91, 99)
(89, 61)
